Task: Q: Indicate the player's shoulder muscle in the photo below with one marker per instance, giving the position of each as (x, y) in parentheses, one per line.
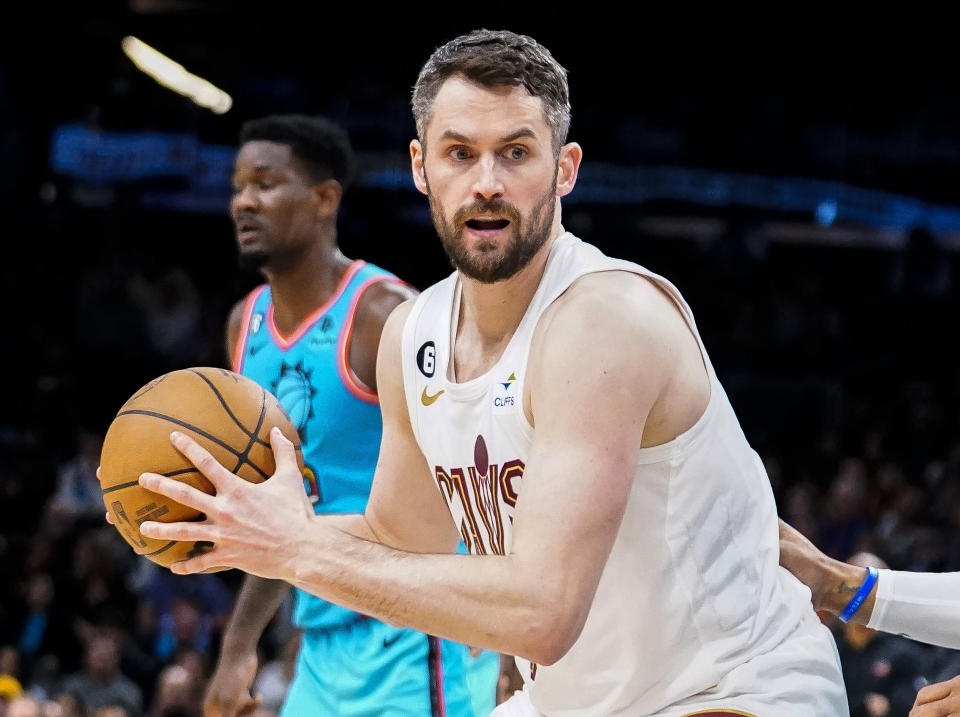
(380, 299)
(609, 310)
(608, 329)
(389, 356)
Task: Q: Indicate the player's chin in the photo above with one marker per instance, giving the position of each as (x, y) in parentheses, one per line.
(253, 256)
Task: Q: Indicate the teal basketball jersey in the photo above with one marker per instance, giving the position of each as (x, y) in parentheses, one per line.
(337, 417)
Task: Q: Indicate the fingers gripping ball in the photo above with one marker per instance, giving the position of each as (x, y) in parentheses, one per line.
(226, 413)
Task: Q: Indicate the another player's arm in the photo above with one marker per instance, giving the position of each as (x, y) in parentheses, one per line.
(228, 692)
(922, 606)
(832, 583)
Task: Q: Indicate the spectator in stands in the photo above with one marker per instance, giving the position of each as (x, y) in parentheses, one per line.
(24, 706)
(101, 684)
(177, 691)
(78, 489)
(274, 677)
(847, 519)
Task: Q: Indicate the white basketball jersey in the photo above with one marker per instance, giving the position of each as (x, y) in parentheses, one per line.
(692, 587)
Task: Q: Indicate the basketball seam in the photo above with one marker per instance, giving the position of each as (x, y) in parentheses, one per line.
(223, 402)
(149, 387)
(245, 456)
(190, 427)
(157, 552)
(170, 474)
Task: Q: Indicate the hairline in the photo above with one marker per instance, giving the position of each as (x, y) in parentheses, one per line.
(556, 143)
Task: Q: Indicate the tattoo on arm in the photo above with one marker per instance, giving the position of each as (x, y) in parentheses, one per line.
(848, 589)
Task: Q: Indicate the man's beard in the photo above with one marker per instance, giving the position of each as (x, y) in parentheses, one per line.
(484, 264)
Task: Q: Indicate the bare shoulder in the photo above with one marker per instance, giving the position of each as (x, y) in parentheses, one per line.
(380, 299)
(389, 368)
(373, 309)
(393, 326)
(388, 356)
(620, 304)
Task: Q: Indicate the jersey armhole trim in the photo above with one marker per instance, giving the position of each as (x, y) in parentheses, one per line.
(347, 376)
(241, 348)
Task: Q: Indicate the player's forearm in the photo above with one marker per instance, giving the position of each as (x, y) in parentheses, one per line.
(353, 523)
(493, 602)
(923, 606)
(256, 605)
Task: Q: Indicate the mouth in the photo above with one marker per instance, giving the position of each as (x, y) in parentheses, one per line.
(247, 231)
(486, 226)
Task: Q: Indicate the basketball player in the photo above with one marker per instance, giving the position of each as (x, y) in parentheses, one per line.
(560, 407)
(310, 336)
(921, 606)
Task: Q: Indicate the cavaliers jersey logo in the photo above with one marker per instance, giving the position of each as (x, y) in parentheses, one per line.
(485, 491)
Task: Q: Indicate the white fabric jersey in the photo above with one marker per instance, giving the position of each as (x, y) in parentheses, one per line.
(692, 587)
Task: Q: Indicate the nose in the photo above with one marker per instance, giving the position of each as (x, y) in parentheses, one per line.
(244, 201)
(488, 183)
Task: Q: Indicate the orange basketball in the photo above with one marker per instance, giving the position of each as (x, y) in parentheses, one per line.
(226, 413)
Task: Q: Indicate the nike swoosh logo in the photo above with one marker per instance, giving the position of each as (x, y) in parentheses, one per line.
(428, 400)
(391, 641)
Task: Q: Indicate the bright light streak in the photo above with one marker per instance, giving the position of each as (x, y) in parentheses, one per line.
(175, 76)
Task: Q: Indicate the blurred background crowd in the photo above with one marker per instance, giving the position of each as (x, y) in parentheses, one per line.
(796, 180)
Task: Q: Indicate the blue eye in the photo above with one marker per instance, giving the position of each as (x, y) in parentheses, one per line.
(517, 153)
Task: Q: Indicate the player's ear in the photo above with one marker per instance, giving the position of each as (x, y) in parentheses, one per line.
(568, 165)
(327, 197)
(416, 165)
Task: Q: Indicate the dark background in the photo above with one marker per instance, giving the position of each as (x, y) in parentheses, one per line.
(715, 147)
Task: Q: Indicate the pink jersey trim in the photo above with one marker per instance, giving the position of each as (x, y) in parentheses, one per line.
(241, 348)
(347, 376)
(285, 342)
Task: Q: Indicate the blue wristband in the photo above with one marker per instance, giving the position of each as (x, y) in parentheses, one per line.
(851, 609)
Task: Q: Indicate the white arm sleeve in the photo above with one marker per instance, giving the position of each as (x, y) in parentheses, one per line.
(922, 606)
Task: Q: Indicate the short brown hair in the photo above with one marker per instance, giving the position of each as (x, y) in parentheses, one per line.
(495, 58)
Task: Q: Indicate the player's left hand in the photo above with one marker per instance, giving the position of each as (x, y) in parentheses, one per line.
(254, 527)
(939, 700)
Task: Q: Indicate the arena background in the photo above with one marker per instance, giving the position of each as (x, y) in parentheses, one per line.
(795, 174)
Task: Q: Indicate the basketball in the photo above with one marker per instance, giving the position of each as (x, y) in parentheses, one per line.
(226, 413)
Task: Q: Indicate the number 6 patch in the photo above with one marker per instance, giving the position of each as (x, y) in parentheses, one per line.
(427, 359)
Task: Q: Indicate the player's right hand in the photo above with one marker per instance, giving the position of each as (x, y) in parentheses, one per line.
(228, 694)
(939, 700)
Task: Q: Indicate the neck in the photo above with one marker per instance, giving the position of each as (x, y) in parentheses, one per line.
(305, 284)
(491, 313)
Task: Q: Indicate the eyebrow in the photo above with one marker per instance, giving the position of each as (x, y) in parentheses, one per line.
(262, 167)
(512, 137)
